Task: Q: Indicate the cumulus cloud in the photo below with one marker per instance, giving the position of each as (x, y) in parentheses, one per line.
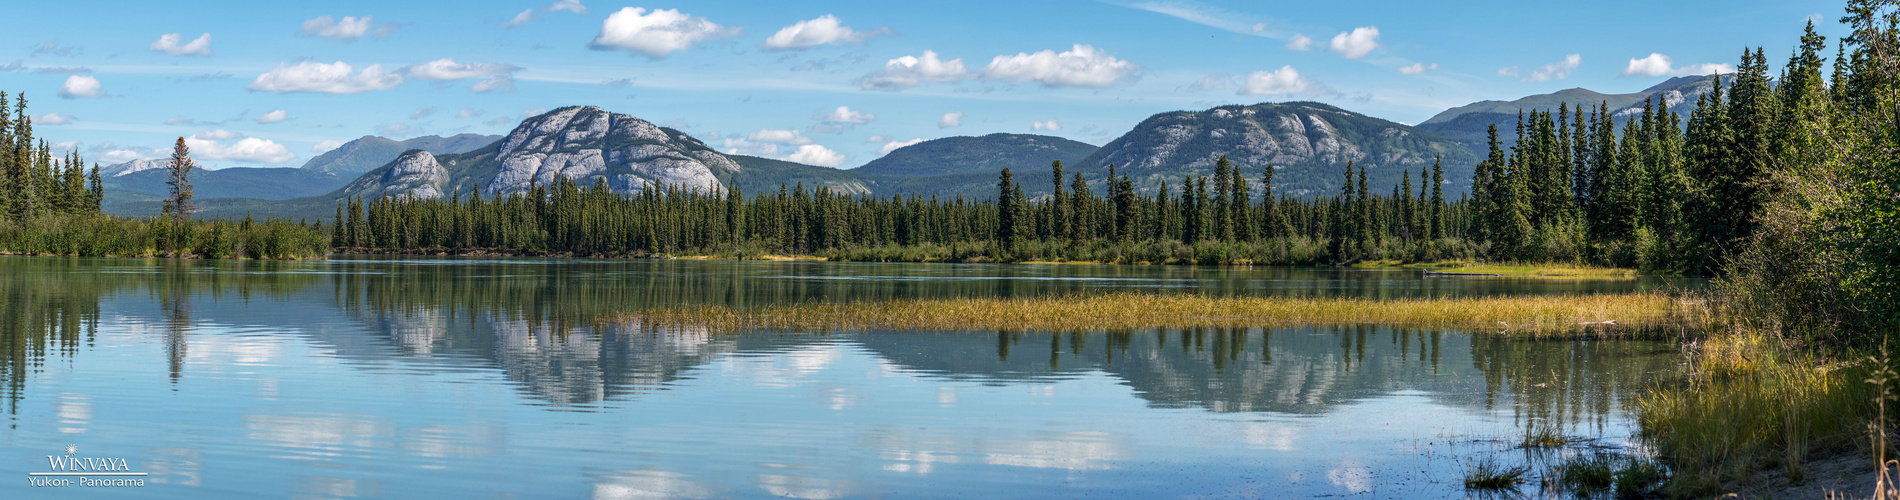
(1658, 65)
(1508, 71)
(568, 5)
(736, 145)
(498, 77)
(1283, 81)
(325, 146)
(1300, 42)
(813, 154)
(951, 119)
(1418, 68)
(1357, 43)
(274, 116)
(877, 139)
(908, 71)
(248, 149)
(333, 78)
(890, 146)
(347, 29)
(825, 30)
(1554, 71)
(1080, 66)
(81, 86)
(53, 119)
(169, 44)
(656, 34)
(468, 113)
(1049, 125)
(845, 114)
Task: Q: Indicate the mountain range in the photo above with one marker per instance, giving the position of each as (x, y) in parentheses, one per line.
(1307, 143)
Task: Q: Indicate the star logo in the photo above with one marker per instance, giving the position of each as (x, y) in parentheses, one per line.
(71, 450)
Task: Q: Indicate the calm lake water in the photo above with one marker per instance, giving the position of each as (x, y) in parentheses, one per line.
(498, 378)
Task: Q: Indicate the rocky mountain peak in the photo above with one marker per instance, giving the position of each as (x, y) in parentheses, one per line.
(587, 143)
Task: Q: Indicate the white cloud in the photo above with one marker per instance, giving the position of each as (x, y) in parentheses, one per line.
(169, 44)
(1508, 71)
(877, 139)
(334, 78)
(1081, 66)
(1049, 125)
(79, 86)
(568, 5)
(742, 146)
(1357, 43)
(52, 119)
(845, 114)
(421, 113)
(1417, 68)
(216, 135)
(906, 72)
(1283, 81)
(1557, 70)
(1706, 69)
(656, 34)
(1300, 42)
(1658, 65)
(274, 116)
(500, 77)
(821, 31)
(448, 69)
(893, 145)
(813, 154)
(248, 150)
(1258, 28)
(347, 29)
(519, 19)
(468, 113)
(1654, 65)
(778, 136)
(951, 119)
(325, 146)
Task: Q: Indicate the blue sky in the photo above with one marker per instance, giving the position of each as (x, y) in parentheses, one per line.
(828, 83)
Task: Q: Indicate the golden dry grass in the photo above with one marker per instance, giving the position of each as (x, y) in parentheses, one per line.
(1138, 310)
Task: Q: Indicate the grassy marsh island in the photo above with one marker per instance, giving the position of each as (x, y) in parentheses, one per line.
(1542, 315)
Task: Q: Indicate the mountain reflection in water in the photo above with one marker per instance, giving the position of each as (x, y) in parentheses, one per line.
(432, 363)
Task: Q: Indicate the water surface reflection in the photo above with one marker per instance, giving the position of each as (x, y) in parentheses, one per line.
(446, 378)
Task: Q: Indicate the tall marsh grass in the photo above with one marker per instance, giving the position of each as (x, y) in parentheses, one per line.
(1529, 315)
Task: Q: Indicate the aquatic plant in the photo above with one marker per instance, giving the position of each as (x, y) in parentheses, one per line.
(1488, 474)
(1517, 315)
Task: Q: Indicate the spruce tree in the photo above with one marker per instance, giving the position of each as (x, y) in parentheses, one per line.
(178, 206)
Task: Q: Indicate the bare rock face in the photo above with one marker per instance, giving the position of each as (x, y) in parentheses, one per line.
(589, 145)
(1311, 142)
(415, 174)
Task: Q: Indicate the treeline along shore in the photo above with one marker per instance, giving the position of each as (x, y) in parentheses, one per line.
(1650, 193)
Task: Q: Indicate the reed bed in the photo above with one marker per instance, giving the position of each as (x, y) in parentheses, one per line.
(1530, 315)
(1752, 402)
